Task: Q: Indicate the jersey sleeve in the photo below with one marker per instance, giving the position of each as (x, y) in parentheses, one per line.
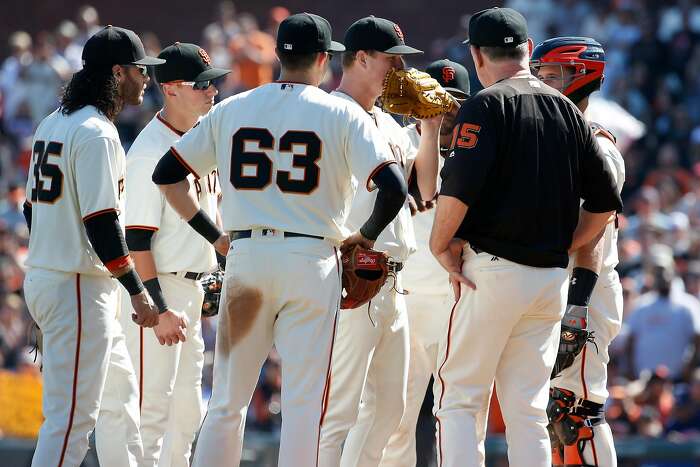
(97, 175)
(598, 185)
(614, 159)
(367, 150)
(474, 151)
(144, 203)
(196, 150)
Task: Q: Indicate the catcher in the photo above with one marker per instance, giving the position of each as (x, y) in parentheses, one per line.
(372, 343)
(578, 431)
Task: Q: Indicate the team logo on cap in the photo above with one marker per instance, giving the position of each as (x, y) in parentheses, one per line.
(448, 74)
(398, 31)
(205, 56)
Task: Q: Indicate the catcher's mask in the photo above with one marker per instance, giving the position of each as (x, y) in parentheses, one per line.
(584, 56)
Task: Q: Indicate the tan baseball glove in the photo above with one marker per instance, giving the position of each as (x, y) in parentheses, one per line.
(415, 94)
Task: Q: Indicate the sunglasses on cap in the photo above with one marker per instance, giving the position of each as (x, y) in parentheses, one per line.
(196, 85)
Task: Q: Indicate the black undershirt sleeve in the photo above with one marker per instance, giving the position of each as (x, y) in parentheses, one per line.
(413, 188)
(391, 195)
(139, 239)
(169, 170)
(105, 235)
(27, 211)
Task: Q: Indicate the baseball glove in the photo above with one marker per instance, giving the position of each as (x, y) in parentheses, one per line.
(415, 94)
(364, 273)
(211, 283)
(574, 337)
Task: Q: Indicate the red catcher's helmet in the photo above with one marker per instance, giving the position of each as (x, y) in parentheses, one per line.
(585, 55)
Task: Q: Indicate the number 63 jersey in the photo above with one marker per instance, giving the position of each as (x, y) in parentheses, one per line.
(286, 153)
(76, 172)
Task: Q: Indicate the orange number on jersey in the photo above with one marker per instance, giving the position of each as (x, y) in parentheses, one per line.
(468, 135)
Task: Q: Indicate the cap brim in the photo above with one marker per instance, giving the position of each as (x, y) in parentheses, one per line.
(402, 50)
(458, 93)
(336, 47)
(149, 61)
(211, 74)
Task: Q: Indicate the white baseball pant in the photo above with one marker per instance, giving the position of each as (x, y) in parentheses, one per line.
(283, 292)
(77, 315)
(369, 372)
(428, 316)
(169, 377)
(506, 330)
(587, 377)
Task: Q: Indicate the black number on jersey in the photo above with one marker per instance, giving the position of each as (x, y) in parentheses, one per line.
(259, 160)
(48, 179)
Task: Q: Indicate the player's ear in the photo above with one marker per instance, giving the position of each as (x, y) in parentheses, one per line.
(361, 57)
(118, 71)
(530, 47)
(476, 56)
(168, 90)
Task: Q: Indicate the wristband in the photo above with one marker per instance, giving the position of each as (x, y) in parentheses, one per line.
(581, 286)
(131, 282)
(204, 226)
(154, 290)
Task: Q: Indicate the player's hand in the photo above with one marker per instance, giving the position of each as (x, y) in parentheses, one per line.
(456, 277)
(356, 239)
(417, 206)
(145, 312)
(222, 244)
(432, 123)
(171, 327)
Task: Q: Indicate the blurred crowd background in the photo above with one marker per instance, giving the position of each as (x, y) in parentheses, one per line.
(653, 72)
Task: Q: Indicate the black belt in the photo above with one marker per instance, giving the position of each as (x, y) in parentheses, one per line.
(239, 234)
(194, 276)
(394, 266)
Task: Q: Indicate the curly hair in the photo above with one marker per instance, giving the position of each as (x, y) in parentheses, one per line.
(92, 87)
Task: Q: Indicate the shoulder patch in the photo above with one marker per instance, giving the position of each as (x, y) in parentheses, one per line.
(599, 130)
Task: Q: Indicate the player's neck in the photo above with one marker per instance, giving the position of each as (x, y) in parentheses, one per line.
(582, 104)
(181, 121)
(506, 70)
(358, 91)
(303, 77)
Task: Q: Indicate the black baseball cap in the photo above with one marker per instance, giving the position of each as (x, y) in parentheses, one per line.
(116, 46)
(497, 27)
(186, 62)
(452, 76)
(305, 33)
(382, 35)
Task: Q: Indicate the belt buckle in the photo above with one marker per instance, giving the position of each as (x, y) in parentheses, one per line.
(266, 232)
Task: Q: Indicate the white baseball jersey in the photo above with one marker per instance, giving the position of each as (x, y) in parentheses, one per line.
(397, 238)
(290, 171)
(423, 274)
(175, 245)
(617, 167)
(77, 171)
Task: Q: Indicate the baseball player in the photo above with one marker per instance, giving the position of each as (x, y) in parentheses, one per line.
(429, 294)
(288, 152)
(574, 66)
(76, 246)
(372, 344)
(507, 215)
(170, 258)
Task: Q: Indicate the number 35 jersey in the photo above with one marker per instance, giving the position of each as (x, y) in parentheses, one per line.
(286, 154)
(76, 172)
